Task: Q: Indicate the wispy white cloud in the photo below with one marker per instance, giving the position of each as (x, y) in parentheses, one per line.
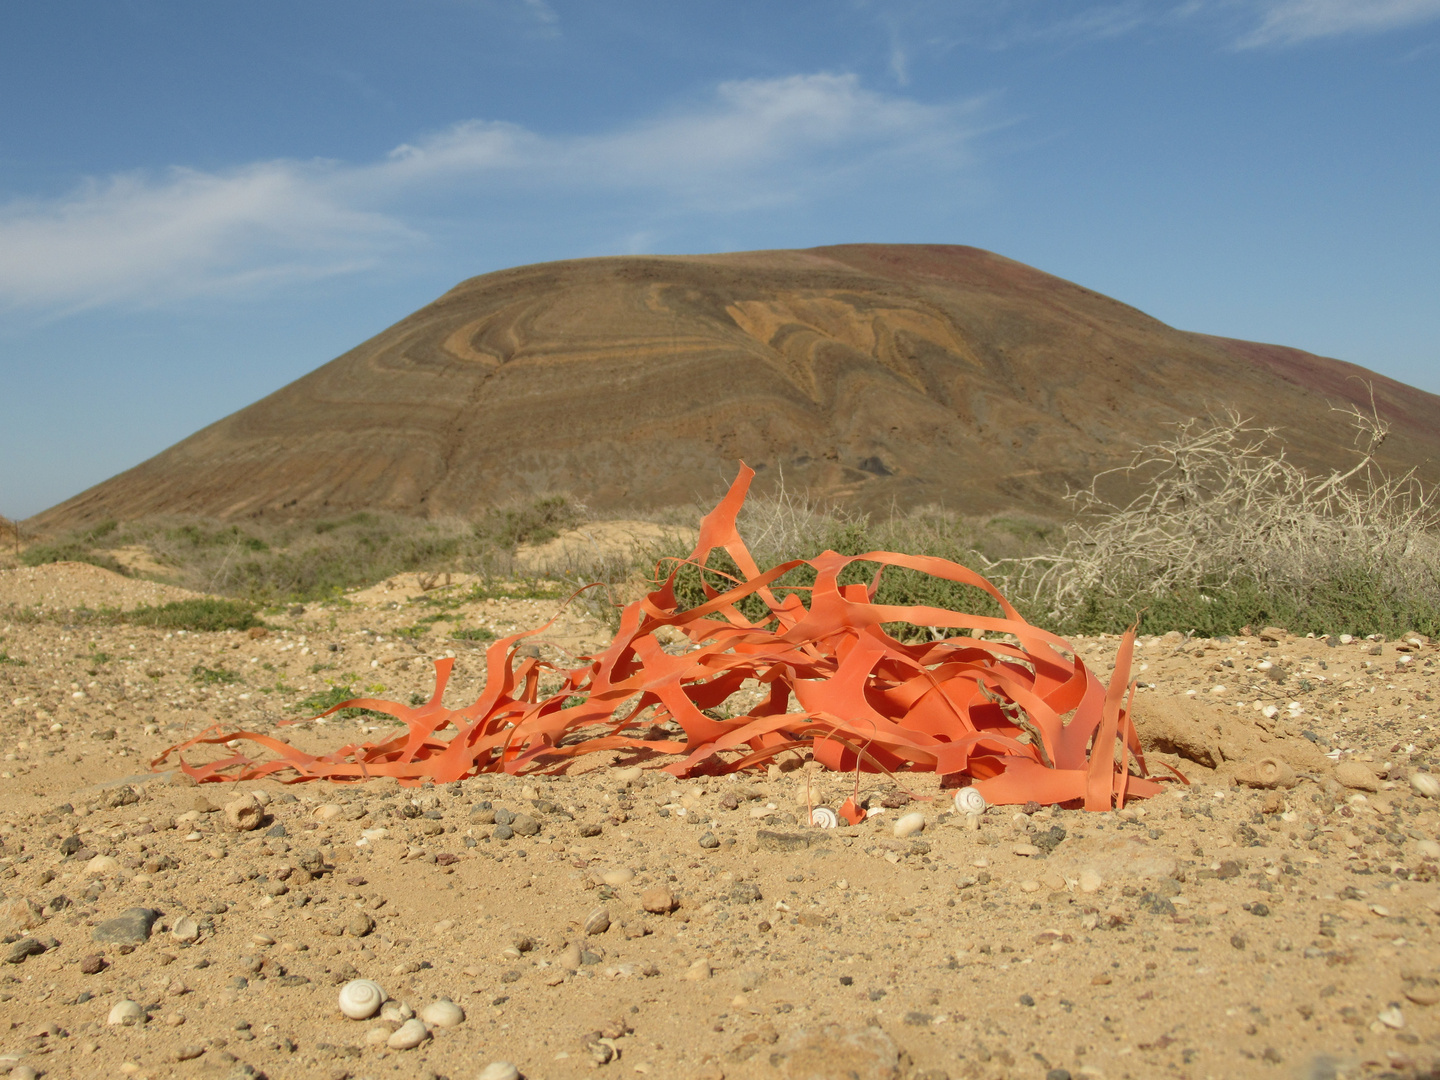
(1288, 22)
(937, 25)
(144, 239)
(185, 232)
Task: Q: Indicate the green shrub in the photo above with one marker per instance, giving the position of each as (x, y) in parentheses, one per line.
(70, 550)
(204, 613)
(472, 633)
(534, 523)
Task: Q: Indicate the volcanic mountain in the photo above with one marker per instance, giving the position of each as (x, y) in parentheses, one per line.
(874, 374)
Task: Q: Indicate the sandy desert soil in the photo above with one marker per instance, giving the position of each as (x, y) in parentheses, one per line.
(1216, 931)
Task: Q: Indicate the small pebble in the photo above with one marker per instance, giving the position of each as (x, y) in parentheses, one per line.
(498, 1070)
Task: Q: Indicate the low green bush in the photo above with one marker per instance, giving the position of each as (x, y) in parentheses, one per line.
(204, 613)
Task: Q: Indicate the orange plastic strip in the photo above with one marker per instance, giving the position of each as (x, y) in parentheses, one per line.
(841, 689)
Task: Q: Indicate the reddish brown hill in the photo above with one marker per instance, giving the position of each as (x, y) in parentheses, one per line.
(873, 373)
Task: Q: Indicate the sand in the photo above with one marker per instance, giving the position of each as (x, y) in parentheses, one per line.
(1216, 931)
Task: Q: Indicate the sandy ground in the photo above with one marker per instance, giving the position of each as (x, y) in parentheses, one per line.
(1216, 931)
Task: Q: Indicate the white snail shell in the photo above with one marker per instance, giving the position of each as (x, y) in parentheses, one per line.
(442, 1014)
(408, 1035)
(499, 1070)
(126, 1013)
(909, 824)
(969, 801)
(822, 817)
(1425, 784)
(361, 999)
(396, 1012)
(598, 921)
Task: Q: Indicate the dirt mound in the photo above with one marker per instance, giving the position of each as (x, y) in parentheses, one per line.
(65, 585)
(1221, 741)
(876, 374)
(580, 551)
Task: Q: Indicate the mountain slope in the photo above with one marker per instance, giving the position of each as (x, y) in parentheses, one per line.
(878, 374)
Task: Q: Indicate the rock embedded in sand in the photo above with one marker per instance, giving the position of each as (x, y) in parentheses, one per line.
(866, 1053)
(657, 900)
(23, 949)
(1266, 772)
(498, 1070)
(244, 814)
(19, 914)
(131, 927)
(570, 957)
(1354, 775)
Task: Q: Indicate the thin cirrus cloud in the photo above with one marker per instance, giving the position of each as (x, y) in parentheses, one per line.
(1248, 24)
(142, 240)
(1290, 22)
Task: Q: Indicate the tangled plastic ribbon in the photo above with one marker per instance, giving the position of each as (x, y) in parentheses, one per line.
(1024, 722)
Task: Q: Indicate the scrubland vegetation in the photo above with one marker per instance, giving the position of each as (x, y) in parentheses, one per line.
(1211, 530)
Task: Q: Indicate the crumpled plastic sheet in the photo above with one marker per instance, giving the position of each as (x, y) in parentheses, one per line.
(1023, 721)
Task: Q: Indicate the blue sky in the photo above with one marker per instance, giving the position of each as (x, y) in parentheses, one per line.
(202, 201)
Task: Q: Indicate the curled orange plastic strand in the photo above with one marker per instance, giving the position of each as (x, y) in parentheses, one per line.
(1023, 721)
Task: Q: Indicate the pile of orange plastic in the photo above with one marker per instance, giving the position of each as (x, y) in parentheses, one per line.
(1023, 722)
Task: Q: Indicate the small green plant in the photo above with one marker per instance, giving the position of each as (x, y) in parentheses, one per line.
(6, 658)
(412, 633)
(339, 690)
(97, 658)
(203, 614)
(472, 633)
(206, 676)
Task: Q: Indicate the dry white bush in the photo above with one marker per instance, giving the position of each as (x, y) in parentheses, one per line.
(1220, 502)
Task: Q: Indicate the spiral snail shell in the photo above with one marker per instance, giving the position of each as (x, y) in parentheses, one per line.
(969, 801)
(361, 999)
(822, 817)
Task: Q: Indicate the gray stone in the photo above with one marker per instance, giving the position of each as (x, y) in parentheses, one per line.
(22, 949)
(129, 928)
(525, 825)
